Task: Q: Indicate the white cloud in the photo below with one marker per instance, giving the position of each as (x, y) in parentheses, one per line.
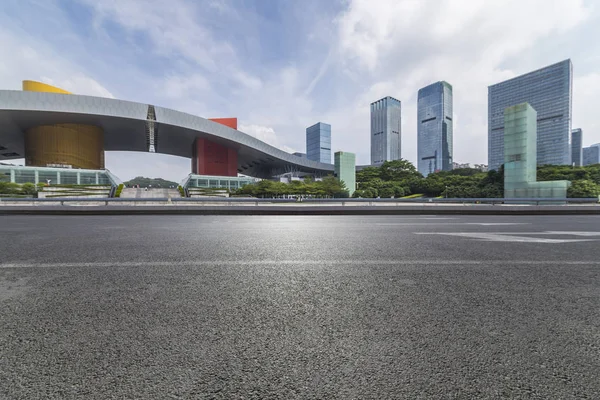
(27, 58)
(215, 60)
(265, 134)
(191, 85)
(585, 106)
(394, 48)
(176, 28)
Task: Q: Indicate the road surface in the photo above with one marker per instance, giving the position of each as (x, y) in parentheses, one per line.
(378, 307)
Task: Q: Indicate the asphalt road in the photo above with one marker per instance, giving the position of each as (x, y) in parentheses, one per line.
(284, 307)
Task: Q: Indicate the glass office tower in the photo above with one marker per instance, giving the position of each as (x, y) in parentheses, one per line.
(385, 130)
(576, 147)
(318, 142)
(520, 164)
(345, 169)
(591, 155)
(434, 133)
(549, 92)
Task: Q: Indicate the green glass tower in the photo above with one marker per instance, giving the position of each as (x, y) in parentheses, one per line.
(345, 169)
(520, 157)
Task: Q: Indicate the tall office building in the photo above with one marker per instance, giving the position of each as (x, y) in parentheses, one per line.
(549, 92)
(520, 164)
(345, 169)
(434, 133)
(576, 147)
(385, 130)
(591, 155)
(318, 142)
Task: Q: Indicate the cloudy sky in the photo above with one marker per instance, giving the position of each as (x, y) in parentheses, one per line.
(280, 66)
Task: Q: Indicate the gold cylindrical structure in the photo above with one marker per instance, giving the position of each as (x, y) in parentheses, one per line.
(34, 86)
(80, 146)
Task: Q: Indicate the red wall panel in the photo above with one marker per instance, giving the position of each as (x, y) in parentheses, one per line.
(209, 158)
(230, 122)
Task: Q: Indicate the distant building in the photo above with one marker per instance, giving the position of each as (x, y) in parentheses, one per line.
(520, 157)
(481, 167)
(591, 155)
(549, 92)
(301, 155)
(345, 169)
(386, 116)
(318, 142)
(576, 147)
(456, 165)
(434, 132)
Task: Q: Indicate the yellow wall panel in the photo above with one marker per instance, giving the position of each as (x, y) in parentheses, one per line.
(81, 146)
(34, 86)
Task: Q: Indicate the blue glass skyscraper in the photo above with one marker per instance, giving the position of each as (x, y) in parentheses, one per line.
(549, 92)
(434, 132)
(576, 147)
(385, 130)
(591, 155)
(318, 142)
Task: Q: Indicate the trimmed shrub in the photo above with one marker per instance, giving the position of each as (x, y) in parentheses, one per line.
(119, 190)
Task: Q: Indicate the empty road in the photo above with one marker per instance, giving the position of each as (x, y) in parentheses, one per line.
(306, 307)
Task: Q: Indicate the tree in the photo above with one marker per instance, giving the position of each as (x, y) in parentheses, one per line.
(154, 182)
(367, 174)
(398, 170)
(386, 192)
(465, 171)
(398, 191)
(332, 186)
(583, 189)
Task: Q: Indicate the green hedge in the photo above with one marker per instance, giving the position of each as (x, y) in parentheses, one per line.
(75, 194)
(67, 185)
(79, 190)
(119, 190)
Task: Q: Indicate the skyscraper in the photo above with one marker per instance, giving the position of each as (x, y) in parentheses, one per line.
(318, 142)
(434, 133)
(520, 164)
(576, 147)
(385, 130)
(549, 92)
(591, 155)
(345, 169)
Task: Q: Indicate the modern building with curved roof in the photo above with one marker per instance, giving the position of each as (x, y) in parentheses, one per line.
(50, 127)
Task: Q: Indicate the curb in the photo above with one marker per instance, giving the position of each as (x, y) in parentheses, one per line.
(301, 210)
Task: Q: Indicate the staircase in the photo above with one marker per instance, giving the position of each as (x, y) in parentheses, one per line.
(142, 193)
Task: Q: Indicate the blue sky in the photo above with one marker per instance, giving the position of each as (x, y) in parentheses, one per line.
(280, 66)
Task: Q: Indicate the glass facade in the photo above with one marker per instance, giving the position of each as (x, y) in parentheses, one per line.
(520, 157)
(576, 147)
(217, 182)
(591, 155)
(434, 133)
(318, 142)
(345, 169)
(549, 92)
(386, 136)
(57, 176)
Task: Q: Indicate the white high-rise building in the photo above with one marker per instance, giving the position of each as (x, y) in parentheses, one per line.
(385, 130)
